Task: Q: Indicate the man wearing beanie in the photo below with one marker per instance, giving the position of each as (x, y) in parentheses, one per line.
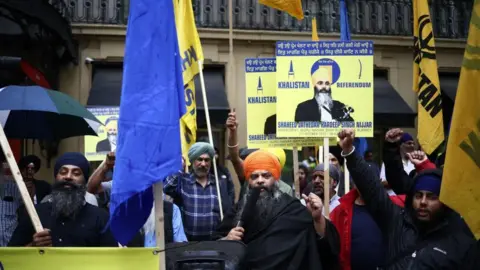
(424, 234)
(196, 194)
(405, 143)
(67, 219)
(280, 233)
(318, 175)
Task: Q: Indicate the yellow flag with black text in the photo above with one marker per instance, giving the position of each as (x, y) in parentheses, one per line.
(460, 185)
(292, 7)
(191, 53)
(425, 79)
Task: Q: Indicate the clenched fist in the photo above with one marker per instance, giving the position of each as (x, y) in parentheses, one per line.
(235, 234)
(394, 135)
(232, 123)
(346, 137)
(42, 239)
(417, 157)
(314, 205)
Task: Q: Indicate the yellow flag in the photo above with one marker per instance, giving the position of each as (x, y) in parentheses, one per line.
(188, 39)
(191, 52)
(292, 7)
(314, 30)
(425, 79)
(460, 184)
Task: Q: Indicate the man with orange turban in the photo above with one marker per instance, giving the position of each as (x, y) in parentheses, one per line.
(303, 238)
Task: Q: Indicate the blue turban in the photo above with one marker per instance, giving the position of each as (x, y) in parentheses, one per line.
(199, 149)
(428, 182)
(332, 171)
(406, 138)
(75, 159)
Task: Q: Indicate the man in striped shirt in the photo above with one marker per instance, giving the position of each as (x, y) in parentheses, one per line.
(10, 201)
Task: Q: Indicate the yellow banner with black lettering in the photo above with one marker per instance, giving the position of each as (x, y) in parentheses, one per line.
(460, 186)
(425, 80)
(78, 258)
(191, 53)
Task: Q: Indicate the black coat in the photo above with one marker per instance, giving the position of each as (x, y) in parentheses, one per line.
(287, 241)
(444, 247)
(308, 111)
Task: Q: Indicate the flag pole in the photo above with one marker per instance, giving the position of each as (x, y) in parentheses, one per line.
(231, 58)
(17, 176)
(159, 224)
(210, 137)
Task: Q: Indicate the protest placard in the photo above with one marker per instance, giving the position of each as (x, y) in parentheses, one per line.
(324, 86)
(97, 147)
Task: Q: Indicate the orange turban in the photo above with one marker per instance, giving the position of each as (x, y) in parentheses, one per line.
(262, 160)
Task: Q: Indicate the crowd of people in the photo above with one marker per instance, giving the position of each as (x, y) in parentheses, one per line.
(390, 218)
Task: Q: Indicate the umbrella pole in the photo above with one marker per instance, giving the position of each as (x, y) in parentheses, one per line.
(19, 181)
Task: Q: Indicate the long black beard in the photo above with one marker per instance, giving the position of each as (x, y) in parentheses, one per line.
(67, 202)
(264, 208)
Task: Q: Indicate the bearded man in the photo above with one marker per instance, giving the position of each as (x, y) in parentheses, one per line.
(281, 233)
(196, 194)
(68, 220)
(322, 107)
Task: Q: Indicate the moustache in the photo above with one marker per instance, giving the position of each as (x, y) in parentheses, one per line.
(65, 185)
(323, 90)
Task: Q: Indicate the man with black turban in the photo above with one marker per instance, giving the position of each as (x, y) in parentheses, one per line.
(38, 189)
(196, 194)
(67, 219)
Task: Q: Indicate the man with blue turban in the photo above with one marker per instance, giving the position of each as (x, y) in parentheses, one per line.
(196, 194)
(68, 220)
(322, 107)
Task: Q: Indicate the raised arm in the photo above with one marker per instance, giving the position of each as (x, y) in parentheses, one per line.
(395, 175)
(233, 150)
(367, 182)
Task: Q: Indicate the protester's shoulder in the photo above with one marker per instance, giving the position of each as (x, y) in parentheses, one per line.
(93, 210)
(43, 184)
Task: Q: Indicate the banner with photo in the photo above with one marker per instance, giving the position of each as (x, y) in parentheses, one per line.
(260, 83)
(96, 148)
(324, 86)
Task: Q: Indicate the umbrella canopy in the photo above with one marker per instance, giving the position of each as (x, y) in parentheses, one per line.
(33, 112)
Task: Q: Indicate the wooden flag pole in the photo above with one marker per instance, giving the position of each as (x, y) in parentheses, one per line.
(296, 180)
(27, 200)
(210, 137)
(159, 224)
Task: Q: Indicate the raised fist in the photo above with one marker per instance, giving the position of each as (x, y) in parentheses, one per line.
(394, 135)
(346, 137)
(232, 123)
(417, 157)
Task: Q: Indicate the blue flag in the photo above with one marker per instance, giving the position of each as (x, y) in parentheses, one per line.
(151, 105)
(344, 27)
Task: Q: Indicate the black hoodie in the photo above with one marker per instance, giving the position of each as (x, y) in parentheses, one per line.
(444, 247)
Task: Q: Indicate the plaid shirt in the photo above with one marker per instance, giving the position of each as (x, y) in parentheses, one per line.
(199, 205)
(10, 201)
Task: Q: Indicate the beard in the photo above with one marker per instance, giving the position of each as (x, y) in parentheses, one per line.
(112, 138)
(264, 208)
(324, 97)
(200, 171)
(67, 199)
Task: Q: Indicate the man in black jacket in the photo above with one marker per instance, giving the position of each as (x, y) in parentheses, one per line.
(423, 235)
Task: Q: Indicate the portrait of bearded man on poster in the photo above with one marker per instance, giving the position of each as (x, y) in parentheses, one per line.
(324, 72)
